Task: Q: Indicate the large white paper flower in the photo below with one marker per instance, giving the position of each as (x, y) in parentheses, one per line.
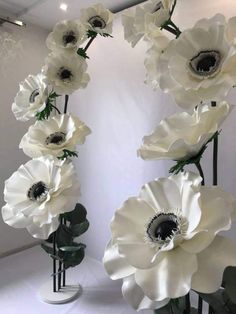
(68, 34)
(66, 72)
(145, 20)
(182, 135)
(37, 193)
(199, 65)
(97, 18)
(54, 135)
(166, 241)
(31, 98)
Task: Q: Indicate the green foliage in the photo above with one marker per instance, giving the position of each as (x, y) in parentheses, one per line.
(67, 154)
(81, 52)
(43, 115)
(106, 35)
(180, 164)
(217, 302)
(69, 252)
(229, 282)
(91, 34)
(175, 306)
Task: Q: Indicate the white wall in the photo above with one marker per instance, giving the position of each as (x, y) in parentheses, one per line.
(26, 58)
(121, 109)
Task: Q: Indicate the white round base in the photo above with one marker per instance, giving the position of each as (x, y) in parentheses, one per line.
(66, 294)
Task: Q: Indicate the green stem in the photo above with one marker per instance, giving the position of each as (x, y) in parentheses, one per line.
(215, 155)
(178, 31)
(170, 30)
(66, 103)
(198, 165)
(89, 43)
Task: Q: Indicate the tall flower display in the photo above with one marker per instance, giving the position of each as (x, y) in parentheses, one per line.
(42, 195)
(166, 242)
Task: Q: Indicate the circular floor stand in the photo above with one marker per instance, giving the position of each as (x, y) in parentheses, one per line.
(65, 295)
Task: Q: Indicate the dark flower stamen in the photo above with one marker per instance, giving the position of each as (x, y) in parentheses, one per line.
(34, 94)
(69, 38)
(56, 138)
(206, 63)
(38, 192)
(97, 22)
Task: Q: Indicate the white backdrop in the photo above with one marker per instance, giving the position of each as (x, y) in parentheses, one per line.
(121, 109)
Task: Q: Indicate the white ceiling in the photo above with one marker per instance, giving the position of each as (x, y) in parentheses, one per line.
(46, 13)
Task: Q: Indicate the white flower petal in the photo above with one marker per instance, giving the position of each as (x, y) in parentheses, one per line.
(116, 265)
(134, 295)
(170, 278)
(212, 263)
(44, 231)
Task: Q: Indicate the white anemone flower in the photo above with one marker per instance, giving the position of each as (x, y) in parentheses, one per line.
(31, 98)
(199, 66)
(54, 135)
(165, 241)
(97, 18)
(145, 20)
(68, 34)
(182, 135)
(66, 72)
(37, 193)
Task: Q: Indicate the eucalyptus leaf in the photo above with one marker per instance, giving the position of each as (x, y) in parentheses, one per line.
(79, 229)
(47, 249)
(229, 282)
(72, 259)
(72, 248)
(217, 302)
(76, 216)
(64, 236)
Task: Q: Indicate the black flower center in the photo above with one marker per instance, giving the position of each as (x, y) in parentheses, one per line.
(38, 192)
(69, 38)
(33, 95)
(97, 22)
(56, 138)
(162, 227)
(165, 229)
(206, 63)
(65, 74)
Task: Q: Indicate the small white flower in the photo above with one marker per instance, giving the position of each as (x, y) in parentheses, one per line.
(199, 66)
(68, 34)
(31, 98)
(97, 18)
(145, 19)
(182, 135)
(37, 193)
(66, 72)
(165, 242)
(54, 135)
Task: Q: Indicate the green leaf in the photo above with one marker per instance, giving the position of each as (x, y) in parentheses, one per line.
(217, 302)
(229, 282)
(79, 229)
(72, 259)
(106, 35)
(91, 34)
(76, 216)
(67, 153)
(180, 164)
(64, 236)
(72, 248)
(81, 52)
(47, 249)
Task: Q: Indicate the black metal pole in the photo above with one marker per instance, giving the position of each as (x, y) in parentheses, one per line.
(54, 263)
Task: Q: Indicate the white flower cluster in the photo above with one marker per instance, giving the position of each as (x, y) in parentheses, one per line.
(166, 241)
(46, 186)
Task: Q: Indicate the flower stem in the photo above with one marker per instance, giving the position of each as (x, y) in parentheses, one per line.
(58, 111)
(215, 155)
(54, 263)
(66, 103)
(89, 43)
(200, 303)
(188, 304)
(198, 165)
